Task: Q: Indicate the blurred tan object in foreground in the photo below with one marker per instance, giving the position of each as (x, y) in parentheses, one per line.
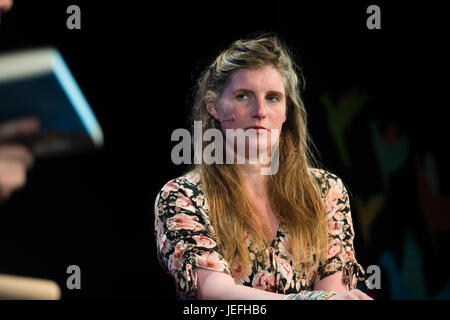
(25, 288)
(5, 5)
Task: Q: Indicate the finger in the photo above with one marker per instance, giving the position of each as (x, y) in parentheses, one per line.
(17, 152)
(12, 176)
(18, 127)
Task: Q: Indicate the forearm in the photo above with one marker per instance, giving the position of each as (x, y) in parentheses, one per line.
(332, 283)
(220, 286)
(240, 292)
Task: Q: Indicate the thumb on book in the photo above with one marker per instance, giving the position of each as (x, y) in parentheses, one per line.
(18, 127)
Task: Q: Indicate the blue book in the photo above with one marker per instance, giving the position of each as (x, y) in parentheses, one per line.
(38, 82)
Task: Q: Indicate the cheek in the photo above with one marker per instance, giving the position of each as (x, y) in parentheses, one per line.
(279, 118)
(239, 121)
(227, 109)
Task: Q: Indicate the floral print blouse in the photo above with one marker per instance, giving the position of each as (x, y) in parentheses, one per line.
(185, 241)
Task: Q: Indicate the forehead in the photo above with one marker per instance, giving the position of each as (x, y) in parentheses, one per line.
(262, 79)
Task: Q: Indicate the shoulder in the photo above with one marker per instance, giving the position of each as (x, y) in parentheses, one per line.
(324, 178)
(188, 183)
(336, 201)
(181, 206)
(184, 191)
(330, 185)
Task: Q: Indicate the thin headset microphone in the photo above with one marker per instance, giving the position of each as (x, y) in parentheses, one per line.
(229, 118)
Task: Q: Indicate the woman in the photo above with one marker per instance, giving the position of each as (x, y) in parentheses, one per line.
(226, 231)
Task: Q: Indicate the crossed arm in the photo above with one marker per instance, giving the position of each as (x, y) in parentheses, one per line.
(181, 232)
(214, 285)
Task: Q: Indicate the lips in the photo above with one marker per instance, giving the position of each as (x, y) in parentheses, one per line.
(256, 128)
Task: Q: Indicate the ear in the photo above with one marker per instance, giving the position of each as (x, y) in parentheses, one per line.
(210, 101)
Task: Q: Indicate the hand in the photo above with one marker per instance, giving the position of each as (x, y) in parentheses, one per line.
(5, 5)
(351, 295)
(15, 159)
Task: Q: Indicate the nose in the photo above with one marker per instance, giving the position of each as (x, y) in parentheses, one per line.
(259, 109)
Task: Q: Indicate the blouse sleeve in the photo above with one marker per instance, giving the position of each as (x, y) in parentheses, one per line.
(341, 253)
(184, 237)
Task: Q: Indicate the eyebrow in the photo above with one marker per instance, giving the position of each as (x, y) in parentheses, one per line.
(251, 91)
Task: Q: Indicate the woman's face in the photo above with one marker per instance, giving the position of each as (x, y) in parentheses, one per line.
(256, 98)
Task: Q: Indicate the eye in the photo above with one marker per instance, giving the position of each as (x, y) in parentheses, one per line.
(273, 98)
(242, 96)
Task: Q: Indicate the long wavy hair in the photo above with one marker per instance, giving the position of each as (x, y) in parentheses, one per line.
(293, 193)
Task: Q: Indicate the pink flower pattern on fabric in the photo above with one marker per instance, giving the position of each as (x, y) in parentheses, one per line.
(185, 242)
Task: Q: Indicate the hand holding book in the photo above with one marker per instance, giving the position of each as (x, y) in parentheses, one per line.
(37, 82)
(15, 158)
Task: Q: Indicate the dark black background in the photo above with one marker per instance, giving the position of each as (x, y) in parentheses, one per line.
(136, 62)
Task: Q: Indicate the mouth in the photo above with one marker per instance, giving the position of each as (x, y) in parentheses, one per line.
(257, 128)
